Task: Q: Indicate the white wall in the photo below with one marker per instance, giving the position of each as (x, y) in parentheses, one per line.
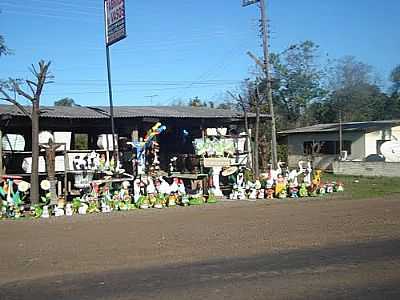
(386, 134)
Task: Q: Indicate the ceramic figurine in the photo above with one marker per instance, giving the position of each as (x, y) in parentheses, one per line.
(83, 209)
(253, 191)
(58, 211)
(270, 193)
(105, 208)
(150, 189)
(293, 175)
(136, 190)
(322, 189)
(172, 199)
(303, 192)
(174, 186)
(307, 175)
(102, 162)
(329, 188)
(45, 213)
(181, 187)
(261, 194)
(164, 187)
(68, 209)
(240, 180)
(339, 187)
(293, 190)
(280, 186)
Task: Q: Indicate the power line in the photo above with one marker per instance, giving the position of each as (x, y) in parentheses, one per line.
(68, 10)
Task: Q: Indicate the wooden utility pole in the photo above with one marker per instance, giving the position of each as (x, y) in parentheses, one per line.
(265, 34)
(265, 67)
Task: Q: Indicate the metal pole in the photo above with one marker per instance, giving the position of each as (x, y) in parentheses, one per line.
(115, 143)
(265, 35)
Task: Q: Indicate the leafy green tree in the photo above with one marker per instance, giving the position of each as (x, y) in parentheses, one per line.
(3, 48)
(395, 79)
(297, 82)
(65, 102)
(355, 94)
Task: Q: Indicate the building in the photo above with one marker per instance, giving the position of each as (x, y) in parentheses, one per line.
(81, 127)
(320, 143)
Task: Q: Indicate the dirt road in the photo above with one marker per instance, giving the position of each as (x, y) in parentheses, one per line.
(324, 249)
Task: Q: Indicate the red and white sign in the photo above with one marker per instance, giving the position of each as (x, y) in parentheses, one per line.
(115, 21)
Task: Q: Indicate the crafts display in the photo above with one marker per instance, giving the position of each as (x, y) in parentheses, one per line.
(110, 191)
(147, 192)
(283, 183)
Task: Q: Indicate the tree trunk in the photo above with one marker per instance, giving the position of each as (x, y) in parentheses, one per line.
(256, 143)
(34, 196)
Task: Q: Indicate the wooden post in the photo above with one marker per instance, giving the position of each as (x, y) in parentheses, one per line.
(66, 169)
(1, 154)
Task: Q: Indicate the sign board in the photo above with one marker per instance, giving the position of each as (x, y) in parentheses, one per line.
(249, 2)
(210, 162)
(115, 21)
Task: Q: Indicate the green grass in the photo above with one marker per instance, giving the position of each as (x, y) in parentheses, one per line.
(360, 187)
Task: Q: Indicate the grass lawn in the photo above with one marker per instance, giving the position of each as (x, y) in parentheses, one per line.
(359, 187)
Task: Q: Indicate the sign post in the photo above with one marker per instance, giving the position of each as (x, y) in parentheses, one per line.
(115, 30)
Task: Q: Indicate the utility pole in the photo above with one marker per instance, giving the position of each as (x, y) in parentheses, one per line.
(265, 67)
(340, 135)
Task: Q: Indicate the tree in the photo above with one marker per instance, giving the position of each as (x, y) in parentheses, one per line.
(65, 102)
(355, 94)
(296, 82)
(395, 79)
(42, 77)
(3, 48)
(196, 102)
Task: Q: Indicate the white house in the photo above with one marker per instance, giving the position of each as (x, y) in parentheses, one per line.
(361, 141)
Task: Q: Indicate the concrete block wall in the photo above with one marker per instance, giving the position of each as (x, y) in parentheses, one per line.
(362, 168)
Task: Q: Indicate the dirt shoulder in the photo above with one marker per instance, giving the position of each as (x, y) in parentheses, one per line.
(32, 249)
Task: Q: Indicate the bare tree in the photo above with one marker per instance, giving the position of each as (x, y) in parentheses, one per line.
(42, 77)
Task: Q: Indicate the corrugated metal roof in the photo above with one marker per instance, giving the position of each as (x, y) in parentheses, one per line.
(350, 126)
(101, 112)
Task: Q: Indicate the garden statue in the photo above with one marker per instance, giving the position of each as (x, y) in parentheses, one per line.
(322, 189)
(83, 209)
(68, 209)
(58, 211)
(307, 175)
(329, 188)
(45, 213)
(293, 190)
(280, 187)
(339, 187)
(303, 192)
(181, 187)
(136, 190)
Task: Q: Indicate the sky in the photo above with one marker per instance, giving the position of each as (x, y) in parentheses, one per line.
(179, 49)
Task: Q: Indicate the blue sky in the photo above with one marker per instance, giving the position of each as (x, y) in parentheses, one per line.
(179, 49)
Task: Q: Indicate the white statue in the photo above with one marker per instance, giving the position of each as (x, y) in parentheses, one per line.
(105, 208)
(83, 209)
(58, 211)
(164, 187)
(181, 187)
(45, 213)
(68, 209)
(136, 190)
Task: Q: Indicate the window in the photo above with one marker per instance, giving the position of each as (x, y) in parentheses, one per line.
(81, 141)
(326, 147)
